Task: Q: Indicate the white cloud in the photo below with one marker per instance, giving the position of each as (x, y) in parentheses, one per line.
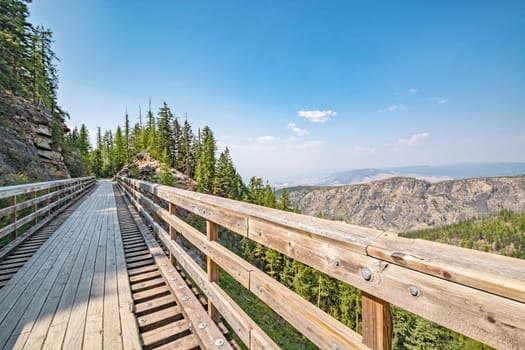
(265, 139)
(412, 91)
(439, 100)
(317, 116)
(413, 139)
(394, 108)
(296, 130)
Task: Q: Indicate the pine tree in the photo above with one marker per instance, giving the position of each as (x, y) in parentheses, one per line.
(185, 156)
(119, 155)
(177, 138)
(151, 133)
(137, 139)
(83, 144)
(255, 191)
(127, 144)
(284, 202)
(14, 43)
(205, 172)
(164, 135)
(224, 184)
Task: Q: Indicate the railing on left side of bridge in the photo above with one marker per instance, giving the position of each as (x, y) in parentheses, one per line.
(34, 204)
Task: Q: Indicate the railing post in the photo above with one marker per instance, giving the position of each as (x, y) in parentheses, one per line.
(377, 322)
(13, 217)
(173, 233)
(48, 201)
(212, 233)
(33, 206)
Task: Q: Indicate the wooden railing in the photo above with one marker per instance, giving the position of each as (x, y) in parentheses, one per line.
(477, 294)
(44, 199)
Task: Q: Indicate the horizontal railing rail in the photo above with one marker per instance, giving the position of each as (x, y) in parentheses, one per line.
(477, 294)
(45, 199)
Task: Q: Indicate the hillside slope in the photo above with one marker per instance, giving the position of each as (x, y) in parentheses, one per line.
(403, 204)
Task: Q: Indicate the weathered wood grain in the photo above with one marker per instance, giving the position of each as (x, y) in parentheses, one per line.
(495, 274)
(377, 322)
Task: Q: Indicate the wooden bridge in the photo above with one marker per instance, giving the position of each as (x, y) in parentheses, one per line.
(100, 266)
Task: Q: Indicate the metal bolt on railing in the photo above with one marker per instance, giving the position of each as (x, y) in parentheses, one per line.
(367, 274)
(414, 291)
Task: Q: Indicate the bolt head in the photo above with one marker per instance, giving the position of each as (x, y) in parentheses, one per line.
(414, 291)
(367, 274)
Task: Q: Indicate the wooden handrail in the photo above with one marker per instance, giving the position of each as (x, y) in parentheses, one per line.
(57, 194)
(477, 294)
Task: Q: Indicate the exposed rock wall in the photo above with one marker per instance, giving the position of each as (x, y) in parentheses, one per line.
(26, 143)
(401, 204)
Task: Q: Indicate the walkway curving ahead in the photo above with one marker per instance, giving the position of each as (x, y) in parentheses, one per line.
(74, 292)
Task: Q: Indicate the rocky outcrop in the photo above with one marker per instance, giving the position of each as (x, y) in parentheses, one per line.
(402, 204)
(26, 143)
(144, 167)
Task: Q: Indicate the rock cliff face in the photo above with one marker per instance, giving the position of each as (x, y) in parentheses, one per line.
(401, 204)
(26, 144)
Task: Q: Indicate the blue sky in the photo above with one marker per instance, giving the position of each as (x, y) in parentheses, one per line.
(296, 88)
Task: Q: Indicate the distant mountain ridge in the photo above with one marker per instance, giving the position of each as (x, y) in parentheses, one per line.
(402, 204)
(430, 173)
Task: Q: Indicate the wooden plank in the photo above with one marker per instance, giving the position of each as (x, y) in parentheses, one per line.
(58, 326)
(388, 285)
(322, 329)
(77, 320)
(228, 261)
(41, 327)
(191, 307)
(234, 315)
(145, 277)
(26, 219)
(377, 323)
(223, 211)
(226, 219)
(160, 318)
(111, 322)
(19, 319)
(157, 282)
(93, 332)
(166, 333)
(495, 274)
(31, 276)
(150, 294)
(188, 342)
(15, 190)
(154, 305)
(130, 333)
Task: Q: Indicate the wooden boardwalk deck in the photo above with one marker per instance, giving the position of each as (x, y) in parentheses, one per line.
(74, 292)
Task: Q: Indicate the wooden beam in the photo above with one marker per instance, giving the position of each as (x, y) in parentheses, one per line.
(212, 233)
(173, 232)
(33, 207)
(377, 322)
(13, 217)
